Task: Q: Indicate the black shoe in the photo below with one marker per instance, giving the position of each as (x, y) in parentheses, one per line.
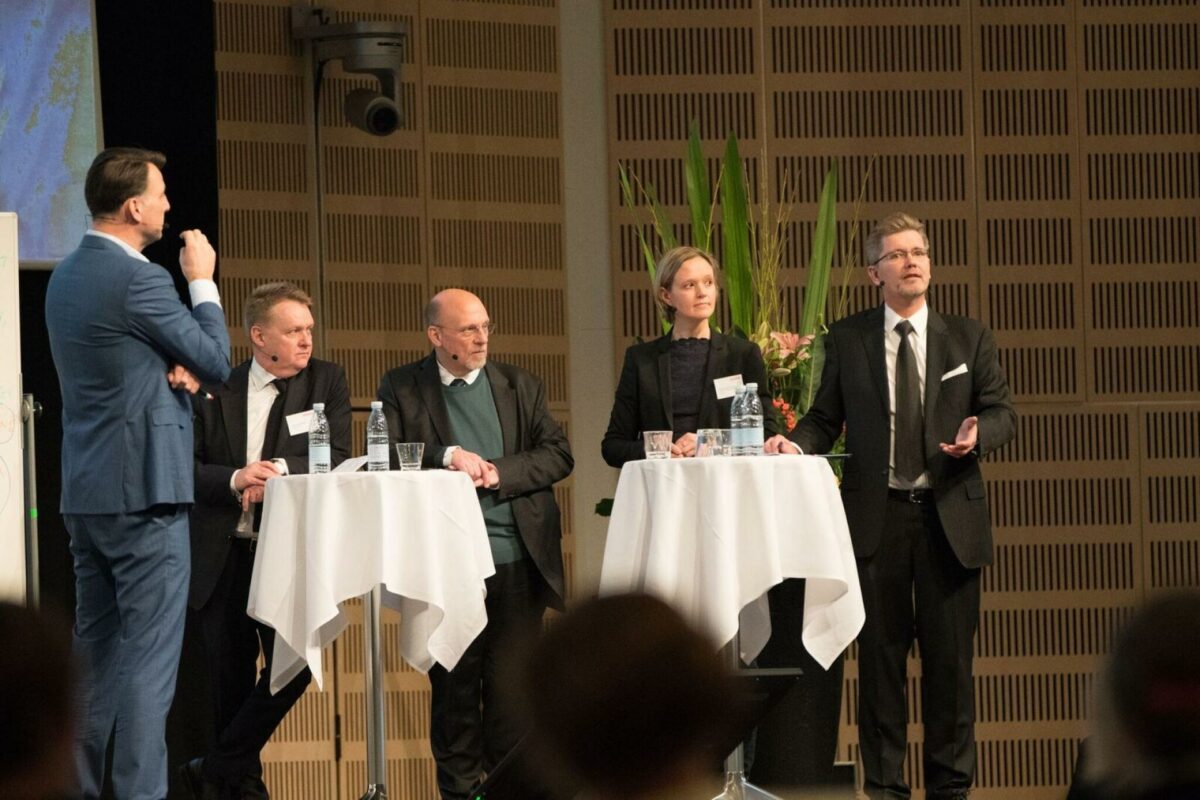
(198, 787)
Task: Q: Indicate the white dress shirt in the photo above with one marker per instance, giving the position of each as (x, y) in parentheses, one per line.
(260, 396)
(919, 342)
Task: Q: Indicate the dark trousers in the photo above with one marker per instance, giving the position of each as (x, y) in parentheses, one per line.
(245, 712)
(472, 724)
(913, 585)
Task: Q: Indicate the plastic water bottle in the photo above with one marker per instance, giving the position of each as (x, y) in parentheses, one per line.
(319, 457)
(737, 419)
(377, 439)
(752, 421)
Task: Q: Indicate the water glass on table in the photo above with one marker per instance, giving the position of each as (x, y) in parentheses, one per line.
(409, 454)
(713, 442)
(658, 443)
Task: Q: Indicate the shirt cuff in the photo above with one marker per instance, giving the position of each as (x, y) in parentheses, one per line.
(448, 454)
(281, 465)
(233, 485)
(203, 290)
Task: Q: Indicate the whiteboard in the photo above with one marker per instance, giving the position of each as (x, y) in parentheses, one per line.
(12, 459)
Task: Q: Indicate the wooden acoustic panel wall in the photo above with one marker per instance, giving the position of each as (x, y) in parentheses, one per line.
(468, 192)
(1050, 146)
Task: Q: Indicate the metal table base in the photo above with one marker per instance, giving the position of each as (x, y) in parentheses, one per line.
(373, 697)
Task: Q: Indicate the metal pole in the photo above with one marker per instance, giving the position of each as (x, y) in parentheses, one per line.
(31, 410)
(736, 786)
(373, 697)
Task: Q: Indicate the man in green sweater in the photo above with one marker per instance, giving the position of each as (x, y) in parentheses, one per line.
(490, 421)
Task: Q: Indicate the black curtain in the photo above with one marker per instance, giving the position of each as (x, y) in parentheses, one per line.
(157, 90)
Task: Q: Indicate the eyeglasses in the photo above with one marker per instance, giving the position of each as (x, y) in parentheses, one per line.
(898, 256)
(472, 331)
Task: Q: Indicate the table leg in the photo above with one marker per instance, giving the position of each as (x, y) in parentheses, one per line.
(736, 785)
(373, 696)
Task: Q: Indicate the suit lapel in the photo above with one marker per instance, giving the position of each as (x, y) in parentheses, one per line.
(663, 371)
(872, 338)
(718, 347)
(935, 366)
(429, 386)
(505, 398)
(233, 411)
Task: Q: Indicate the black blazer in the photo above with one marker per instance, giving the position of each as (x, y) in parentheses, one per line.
(854, 391)
(536, 451)
(643, 401)
(220, 448)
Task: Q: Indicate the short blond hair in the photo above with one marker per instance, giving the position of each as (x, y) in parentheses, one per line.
(896, 222)
(267, 296)
(669, 265)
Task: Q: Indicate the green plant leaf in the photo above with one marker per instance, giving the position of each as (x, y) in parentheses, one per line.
(811, 379)
(735, 238)
(662, 223)
(647, 250)
(820, 263)
(699, 193)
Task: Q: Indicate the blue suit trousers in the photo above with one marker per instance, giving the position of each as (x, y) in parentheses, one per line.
(131, 579)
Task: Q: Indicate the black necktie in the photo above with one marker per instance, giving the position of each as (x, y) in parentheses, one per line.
(910, 422)
(458, 382)
(271, 436)
(274, 420)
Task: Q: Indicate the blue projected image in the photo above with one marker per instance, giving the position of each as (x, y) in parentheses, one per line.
(48, 125)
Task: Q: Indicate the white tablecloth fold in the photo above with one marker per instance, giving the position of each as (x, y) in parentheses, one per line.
(710, 536)
(327, 538)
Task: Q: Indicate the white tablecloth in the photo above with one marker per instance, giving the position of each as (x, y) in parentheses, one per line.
(327, 538)
(710, 536)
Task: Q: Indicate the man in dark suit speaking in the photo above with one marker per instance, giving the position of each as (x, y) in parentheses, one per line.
(252, 429)
(125, 348)
(488, 420)
(922, 396)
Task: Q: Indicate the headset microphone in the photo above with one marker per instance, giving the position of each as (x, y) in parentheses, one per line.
(274, 358)
(454, 357)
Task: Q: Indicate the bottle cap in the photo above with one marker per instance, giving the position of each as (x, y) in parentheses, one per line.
(376, 404)
(318, 406)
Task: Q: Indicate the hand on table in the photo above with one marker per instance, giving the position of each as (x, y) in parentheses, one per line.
(254, 474)
(476, 468)
(780, 444)
(491, 476)
(684, 446)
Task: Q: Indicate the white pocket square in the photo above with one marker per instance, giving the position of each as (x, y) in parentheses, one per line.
(961, 369)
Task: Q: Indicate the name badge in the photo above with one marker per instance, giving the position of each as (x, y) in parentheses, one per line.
(299, 422)
(727, 386)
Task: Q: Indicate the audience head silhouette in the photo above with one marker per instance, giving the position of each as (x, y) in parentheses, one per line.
(1146, 727)
(626, 700)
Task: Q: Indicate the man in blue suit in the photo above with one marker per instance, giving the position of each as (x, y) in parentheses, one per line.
(126, 349)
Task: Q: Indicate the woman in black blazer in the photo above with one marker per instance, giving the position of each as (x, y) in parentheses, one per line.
(676, 382)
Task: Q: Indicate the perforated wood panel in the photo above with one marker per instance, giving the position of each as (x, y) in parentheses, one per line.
(1050, 145)
(468, 192)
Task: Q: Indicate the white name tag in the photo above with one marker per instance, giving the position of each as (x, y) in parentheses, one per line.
(727, 386)
(299, 422)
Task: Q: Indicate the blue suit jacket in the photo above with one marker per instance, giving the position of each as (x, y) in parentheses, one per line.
(116, 326)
